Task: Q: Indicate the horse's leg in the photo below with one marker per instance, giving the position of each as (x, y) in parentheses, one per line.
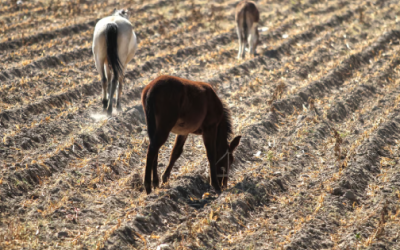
(129, 57)
(253, 39)
(240, 41)
(159, 139)
(176, 152)
(244, 45)
(156, 181)
(110, 97)
(250, 42)
(106, 86)
(120, 85)
(152, 153)
(209, 136)
(99, 62)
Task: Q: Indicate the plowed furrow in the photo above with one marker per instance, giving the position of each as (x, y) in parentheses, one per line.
(23, 39)
(347, 127)
(337, 76)
(46, 36)
(336, 222)
(326, 10)
(12, 8)
(71, 11)
(64, 10)
(362, 92)
(341, 208)
(297, 209)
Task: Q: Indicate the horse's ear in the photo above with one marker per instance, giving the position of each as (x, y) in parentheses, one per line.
(234, 143)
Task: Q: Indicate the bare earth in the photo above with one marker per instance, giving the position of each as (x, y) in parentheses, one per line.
(318, 107)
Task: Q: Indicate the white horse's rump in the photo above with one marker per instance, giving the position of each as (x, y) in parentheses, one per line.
(247, 18)
(114, 45)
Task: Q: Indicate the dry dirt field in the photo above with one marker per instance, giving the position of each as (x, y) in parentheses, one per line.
(318, 107)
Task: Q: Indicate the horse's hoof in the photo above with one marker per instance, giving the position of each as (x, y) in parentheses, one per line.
(218, 190)
(156, 184)
(165, 178)
(119, 108)
(109, 113)
(148, 188)
(105, 104)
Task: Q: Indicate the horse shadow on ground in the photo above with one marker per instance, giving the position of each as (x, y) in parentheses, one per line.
(273, 53)
(249, 186)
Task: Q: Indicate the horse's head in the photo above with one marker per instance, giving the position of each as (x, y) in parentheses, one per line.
(225, 161)
(122, 12)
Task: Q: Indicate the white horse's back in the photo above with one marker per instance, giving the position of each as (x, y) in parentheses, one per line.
(127, 42)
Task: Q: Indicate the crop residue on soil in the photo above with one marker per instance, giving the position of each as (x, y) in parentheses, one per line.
(318, 108)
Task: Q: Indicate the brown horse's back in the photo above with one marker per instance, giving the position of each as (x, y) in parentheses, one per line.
(251, 10)
(188, 105)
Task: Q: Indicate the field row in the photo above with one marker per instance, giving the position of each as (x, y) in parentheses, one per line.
(319, 115)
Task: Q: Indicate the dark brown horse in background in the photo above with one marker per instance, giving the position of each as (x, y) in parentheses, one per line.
(183, 107)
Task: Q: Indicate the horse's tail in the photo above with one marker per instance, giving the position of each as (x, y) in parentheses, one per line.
(112, 49)
(150, 115)
(245, 28)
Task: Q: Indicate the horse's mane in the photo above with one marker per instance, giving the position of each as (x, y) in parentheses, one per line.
(226, 122)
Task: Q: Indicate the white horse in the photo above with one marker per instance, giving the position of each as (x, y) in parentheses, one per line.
(114, 45)
(247, 17)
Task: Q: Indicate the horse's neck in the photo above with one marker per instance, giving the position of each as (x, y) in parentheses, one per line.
(222, 140)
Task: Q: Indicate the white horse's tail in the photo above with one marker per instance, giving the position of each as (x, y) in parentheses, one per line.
(112, 50)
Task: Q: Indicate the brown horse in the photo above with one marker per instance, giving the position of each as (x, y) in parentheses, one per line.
(183, 107)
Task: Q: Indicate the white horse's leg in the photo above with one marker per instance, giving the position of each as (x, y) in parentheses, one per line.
(240, 41)
(113, 87)
(244, 44)
(128, 51)
(119, 94)
(99, 62)
(106, 90)
(253, 39)
(250, 42)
